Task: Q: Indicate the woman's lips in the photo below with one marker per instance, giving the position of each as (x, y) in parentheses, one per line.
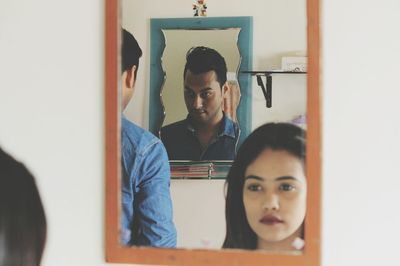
(270, 220)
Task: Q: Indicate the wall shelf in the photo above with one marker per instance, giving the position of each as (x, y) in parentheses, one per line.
(267, 88)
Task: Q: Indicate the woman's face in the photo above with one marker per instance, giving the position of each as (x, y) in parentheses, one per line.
(274, 196)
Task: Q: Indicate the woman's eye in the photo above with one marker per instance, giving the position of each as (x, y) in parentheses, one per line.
(254, 187)
(286, 187)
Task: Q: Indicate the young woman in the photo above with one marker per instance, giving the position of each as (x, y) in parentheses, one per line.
(267, 188)
(22, 217)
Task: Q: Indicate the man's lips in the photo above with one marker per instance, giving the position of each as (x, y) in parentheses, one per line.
(270, 220)
(198, 112)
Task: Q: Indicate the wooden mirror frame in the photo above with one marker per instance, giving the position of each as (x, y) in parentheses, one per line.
(117, 253)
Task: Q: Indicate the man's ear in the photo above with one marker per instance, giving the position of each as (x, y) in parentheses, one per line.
(130, 77)
(225, 89)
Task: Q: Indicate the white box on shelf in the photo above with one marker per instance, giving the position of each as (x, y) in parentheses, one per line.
(294, 63)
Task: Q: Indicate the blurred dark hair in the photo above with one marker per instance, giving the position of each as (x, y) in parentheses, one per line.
(275, 136)
(22, 217)
(130, 52)
(202, 59)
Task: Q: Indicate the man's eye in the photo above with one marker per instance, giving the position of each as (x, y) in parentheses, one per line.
(254, 187)
(189, 94)
(286, 187)
(205, 95)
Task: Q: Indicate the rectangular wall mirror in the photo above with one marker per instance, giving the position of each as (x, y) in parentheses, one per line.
(258, 42)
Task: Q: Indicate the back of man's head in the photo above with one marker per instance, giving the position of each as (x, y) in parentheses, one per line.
(130, 52)
(203, 59)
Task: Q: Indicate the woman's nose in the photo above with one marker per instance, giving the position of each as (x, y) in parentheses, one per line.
(271, 202)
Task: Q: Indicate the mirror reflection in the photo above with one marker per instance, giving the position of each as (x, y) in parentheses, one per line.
(146, 216)
(196, 208)
(230, 39)
(266, 196)
(207, 132)
(178, 43)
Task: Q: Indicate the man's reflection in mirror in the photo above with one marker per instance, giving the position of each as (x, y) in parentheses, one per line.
(207, 133)
(267, 189)
(146, 204)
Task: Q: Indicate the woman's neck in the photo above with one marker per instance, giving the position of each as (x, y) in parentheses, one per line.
(286, 244)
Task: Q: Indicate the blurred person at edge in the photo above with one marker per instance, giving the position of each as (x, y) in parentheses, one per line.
(22, 219)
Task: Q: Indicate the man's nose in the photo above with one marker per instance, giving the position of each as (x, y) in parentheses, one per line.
(197, 102)
(271, 202)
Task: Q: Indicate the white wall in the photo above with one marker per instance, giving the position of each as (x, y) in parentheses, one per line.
(51, 117)
(361, 132)
(199, 213)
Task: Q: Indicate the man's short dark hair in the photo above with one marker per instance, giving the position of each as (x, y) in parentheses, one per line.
(202, 59)
(130, 52)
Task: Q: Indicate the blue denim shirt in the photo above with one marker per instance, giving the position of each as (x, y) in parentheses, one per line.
(146, 201)
(182, 144)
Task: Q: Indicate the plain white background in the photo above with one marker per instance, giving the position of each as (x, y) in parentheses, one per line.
(51, 118)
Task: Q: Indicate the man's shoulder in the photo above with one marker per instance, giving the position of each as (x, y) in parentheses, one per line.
(174, 127)
(230, 127)
(229, 120)
(138, 138)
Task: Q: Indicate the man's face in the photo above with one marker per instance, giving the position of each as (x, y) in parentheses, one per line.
(203, 97)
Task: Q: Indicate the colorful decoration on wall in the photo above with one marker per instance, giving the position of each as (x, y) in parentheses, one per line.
(199, 8)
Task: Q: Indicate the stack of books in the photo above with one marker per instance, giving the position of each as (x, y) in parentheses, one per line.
(200, 170)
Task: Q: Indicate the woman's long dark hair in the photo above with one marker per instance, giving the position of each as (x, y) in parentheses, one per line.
(22, 217)
(276, 136)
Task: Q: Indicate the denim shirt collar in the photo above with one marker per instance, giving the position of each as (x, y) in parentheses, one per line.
(227, 128)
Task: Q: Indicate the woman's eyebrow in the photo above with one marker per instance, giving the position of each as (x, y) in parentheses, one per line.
(286, 178)
(254, 177)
